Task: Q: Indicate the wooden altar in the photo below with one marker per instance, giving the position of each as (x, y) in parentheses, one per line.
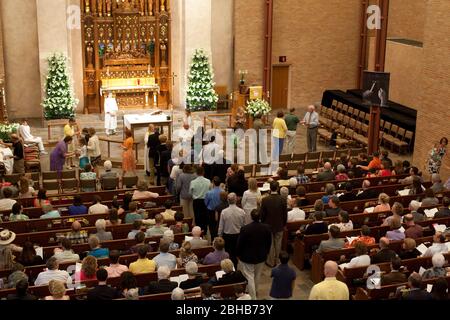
(126, 46)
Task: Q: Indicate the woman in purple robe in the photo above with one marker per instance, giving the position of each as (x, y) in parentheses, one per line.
(59, 154)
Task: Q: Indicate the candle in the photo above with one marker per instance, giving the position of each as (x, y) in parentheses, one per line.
(154, 99)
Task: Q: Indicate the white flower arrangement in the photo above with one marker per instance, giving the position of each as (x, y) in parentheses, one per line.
(258, 107)
(6, 129)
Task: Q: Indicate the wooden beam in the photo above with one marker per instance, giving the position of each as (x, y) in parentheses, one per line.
(380, 49)
(267, 72)
(363, 43)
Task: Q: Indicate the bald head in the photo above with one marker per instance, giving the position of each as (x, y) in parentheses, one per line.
(76, 226)
(327, 166)
(196, 231)
(366, 184)
(384, 242)
(311, 108)
(330, 269)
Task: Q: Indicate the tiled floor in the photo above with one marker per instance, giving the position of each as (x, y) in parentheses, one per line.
(303, 283)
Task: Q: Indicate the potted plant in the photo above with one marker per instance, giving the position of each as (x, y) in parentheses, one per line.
(257, 107)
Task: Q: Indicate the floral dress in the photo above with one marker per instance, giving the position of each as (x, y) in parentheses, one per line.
(435, 160)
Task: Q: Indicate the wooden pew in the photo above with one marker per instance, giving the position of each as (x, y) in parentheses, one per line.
(303, 247)
(66, 221)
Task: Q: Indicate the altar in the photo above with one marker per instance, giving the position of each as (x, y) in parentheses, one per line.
(132, 121)
(126, 46)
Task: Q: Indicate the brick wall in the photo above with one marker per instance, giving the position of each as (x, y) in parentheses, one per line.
(2, 67)
(321, 41)
(404, 62)
(319, 37)
(433, 119)
(407, 19)
(249, 18)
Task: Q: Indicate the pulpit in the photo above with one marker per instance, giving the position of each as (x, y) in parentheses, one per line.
(126, 45)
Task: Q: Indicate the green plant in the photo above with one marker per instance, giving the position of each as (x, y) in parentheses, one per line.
(257, 107)
(200, 93)
(60, 101)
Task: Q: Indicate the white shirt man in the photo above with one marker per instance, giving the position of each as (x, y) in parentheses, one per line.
(211, 152)
(232, 219)
(296, 214)
(111, 110)
(6, 204)
(52, 273)
(25, 133)
(98, 208)
(7, 158)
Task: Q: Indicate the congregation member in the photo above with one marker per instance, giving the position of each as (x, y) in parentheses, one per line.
(344, 224)
(413, 230)
(25, 188)
(76, 235)
(253, 246)
(164, 258)
(140, 240)
(231, 221)
(102, 234)
(397, 212)
(334, 209)
(17, 213)
(438, 246)
(77, 207)
(163, 284)
(22, 292)
(348, 195)
(180, 226)
(385, 254)
(430, 199)
(229, 276)
(194, 278)
(318, 226)
(416, 291)
(445, 210)
(70, 133)
(364, 237)
(186, 255)
(395, 275)
(237, 183)
(333, 242)
(128, 286)
(41, 199)
(6, 203)
(409, 250)
(142, 192)
(330, 190)
(115, 269)
(137, 227)
(212, 200)
(57, 291)
(197, 241)
(301, 177)
(102, 291)
(170, 237)
(362, 259)
(274, 213)
(151, 140)
(49, 212)
(17, 274)
(395, 233)
(134, 214)
(183, 184)
(330, 288)
(197, 190)
(96, 250)
(142, 264)
(88, 175)
(97, 207)
(296, 214)
(437, 185)
(88, 269)
(28, 256)
(168, 214)
(164, 151)
(52, 273)
(327, 174)
(383, 203)
(113, 219)
(240, 293)
(158, 229)
(283, 279)
(366, 192)
(218, 254)
(437, 270)
(82, 152)
(414, 207)
(108, 173)
(65, 253)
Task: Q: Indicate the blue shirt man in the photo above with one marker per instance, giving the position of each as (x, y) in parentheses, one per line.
(212, 198)
(283, 278)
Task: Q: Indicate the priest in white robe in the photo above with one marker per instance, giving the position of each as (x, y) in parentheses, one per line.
(7, 158)
(111, 110)
(25, 133)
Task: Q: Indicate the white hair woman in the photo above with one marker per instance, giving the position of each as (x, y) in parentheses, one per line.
(102, 234)
(169, 237)
(438, 270)
(177, 294)
(194, 279)
(57, 290)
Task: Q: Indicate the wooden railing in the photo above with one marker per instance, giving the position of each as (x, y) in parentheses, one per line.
(110, 140)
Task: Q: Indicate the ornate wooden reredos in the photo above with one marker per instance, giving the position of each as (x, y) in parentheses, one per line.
(126, 42)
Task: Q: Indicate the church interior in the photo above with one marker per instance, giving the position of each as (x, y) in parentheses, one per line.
(96, 96)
